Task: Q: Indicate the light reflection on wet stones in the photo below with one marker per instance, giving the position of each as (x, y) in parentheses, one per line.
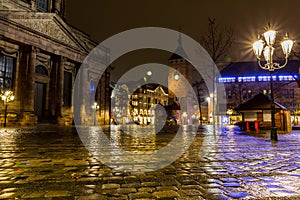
(239, 166)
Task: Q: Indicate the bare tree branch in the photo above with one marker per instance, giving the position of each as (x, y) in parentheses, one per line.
(217, 40)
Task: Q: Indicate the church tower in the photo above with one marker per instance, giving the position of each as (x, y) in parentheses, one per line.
(177, 84)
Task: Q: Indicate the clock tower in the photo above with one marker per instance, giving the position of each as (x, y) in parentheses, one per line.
(179, 82)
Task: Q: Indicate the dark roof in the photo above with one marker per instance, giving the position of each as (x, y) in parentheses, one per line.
(259, 102)
(252, 68)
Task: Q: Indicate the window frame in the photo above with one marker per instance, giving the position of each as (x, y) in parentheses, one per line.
(3, 59)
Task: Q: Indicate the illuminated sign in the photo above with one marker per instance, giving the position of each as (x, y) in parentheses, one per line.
(241, 79)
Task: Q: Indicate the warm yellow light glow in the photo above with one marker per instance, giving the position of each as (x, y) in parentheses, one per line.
(258, 47)
(270, 37)
(229, 112)
(268, 53)
(287, 46)
(176, 77)
(8, 96)
(95, 106)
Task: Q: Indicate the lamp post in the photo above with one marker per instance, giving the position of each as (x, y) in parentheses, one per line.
(264, 46)
(7, 96)
(95, 107)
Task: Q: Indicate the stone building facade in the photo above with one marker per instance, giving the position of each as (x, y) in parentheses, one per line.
(40, 54)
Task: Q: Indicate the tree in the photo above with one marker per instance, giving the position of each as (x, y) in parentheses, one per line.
(200, 96)
(217, 40)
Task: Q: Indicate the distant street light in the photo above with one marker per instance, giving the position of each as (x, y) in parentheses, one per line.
(176, 76)
(266, 47)
(7, 96)
(95, 107)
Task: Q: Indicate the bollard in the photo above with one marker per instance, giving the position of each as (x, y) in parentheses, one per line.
(247, 127)
(256, 126)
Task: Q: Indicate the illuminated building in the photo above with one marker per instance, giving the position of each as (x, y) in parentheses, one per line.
(144, 101)
(40, 54)
(244, 80)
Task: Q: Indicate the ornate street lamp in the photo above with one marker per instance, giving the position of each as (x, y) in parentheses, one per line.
(95, 107)
(7, 96)
(265, 46)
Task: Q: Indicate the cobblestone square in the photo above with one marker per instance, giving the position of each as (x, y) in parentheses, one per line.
(51, 162)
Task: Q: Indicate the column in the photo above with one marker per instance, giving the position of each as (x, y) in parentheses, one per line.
(59, 86)
(56, 88)
(30, 70)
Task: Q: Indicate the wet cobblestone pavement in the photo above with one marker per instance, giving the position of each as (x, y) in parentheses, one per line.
(50, 162)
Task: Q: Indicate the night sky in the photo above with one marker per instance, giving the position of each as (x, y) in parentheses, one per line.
(102, 19)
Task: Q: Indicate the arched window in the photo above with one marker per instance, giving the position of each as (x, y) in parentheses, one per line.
(40, 69)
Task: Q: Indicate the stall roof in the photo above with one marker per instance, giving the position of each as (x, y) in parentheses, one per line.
(259, 102)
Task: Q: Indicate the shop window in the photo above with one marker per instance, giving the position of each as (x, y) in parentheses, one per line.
(7, 65)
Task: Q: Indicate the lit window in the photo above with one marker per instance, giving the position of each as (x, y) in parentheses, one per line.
(266, 78)
(227, 80)
(6, 72)
(286, 78)
(263, 78)
(246, 79)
